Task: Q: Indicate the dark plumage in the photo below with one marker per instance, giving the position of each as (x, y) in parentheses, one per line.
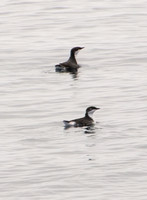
(84, 121)
(71, 64)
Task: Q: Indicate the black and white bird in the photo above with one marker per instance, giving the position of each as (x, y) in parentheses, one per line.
(84, 121)
(71, 64)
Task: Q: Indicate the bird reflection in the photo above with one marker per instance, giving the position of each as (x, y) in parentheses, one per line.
(87, 130)
(90, 130)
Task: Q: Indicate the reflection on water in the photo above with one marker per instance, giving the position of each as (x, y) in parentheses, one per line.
(39, 158)
(90, 130)
(74, 75)
(86, 130)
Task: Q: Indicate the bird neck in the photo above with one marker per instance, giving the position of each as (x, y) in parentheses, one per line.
(88, 115)
(72, 57)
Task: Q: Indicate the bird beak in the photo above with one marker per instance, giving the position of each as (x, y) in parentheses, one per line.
(97, 108)
(82, 47)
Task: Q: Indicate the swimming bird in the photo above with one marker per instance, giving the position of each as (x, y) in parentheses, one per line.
(84, 121)
(71, 64)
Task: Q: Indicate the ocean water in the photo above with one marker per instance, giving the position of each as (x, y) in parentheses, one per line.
(40, 160)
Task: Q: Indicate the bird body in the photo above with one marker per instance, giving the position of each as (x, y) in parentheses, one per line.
(71, 64)
(84, 121)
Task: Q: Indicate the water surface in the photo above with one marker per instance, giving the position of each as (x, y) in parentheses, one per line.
(39, 158)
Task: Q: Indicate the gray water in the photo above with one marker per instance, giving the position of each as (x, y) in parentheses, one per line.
(39, 159)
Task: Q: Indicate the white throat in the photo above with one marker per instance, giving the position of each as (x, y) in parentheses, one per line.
(76, 53)
(90, 113)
